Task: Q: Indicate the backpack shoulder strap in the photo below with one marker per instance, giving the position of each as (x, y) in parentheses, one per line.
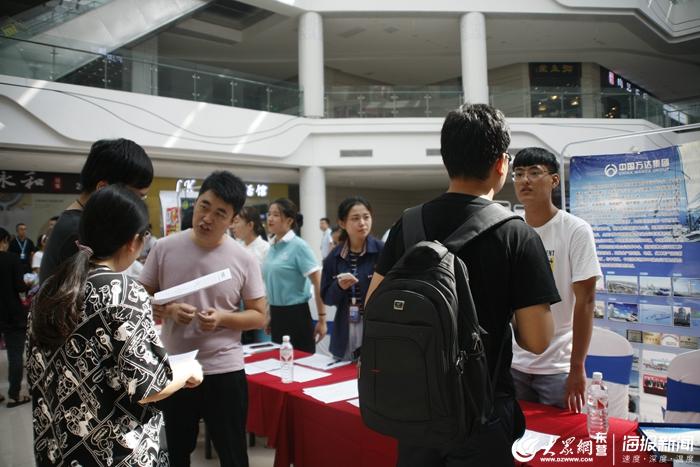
(483, 220)
(412, 225)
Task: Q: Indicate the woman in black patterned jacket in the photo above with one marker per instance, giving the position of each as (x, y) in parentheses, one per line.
(95, 359)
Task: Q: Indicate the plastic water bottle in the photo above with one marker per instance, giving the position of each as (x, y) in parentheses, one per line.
(597, 404)
(287, 360)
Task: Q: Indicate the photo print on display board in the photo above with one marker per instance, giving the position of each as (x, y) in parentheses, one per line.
(655, 286)
(670, 340)
(681, 316)
(625, 312)
(634, 336)
(621, 284)
(651, 338)
(654, 384)
(695, 317)
(656, 362)
(599, 309)
(686, 287)
(655, 314)
(688, 342)
(600, 284)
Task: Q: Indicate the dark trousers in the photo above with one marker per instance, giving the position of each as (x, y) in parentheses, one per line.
(14, 344)
(222, 400)
(293, 321)
(490, 447)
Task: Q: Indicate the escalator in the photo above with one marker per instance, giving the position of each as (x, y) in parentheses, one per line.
(53, 39)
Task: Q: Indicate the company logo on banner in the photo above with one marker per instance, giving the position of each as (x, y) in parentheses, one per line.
(644, 209)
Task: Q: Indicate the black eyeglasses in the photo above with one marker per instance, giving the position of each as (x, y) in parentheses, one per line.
(508, 157)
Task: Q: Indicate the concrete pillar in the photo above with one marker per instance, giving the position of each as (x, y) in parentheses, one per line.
(312, 200)
(144, 67)
(475, 82)
(311, 63)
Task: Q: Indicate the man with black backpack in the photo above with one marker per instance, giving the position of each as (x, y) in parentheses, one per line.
(507, 278)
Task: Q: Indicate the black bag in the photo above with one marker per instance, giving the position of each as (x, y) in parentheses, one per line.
(424, 377)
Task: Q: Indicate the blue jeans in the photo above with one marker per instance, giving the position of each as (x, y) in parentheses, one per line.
(544, 389)
(14, 344)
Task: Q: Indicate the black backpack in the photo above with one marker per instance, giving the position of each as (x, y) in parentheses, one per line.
(424, 377)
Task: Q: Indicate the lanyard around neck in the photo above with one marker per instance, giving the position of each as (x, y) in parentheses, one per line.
(22, 245)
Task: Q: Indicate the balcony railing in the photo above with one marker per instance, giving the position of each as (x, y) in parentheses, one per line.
(538, 102)
(391, 101)
(169, 79)
(180, 80)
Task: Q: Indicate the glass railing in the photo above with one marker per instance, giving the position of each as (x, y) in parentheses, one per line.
(574, 103)
(119, 71)
(45, 16)
(391, 101)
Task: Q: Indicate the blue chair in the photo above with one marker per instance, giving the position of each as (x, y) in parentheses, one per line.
(611, 354)
(683, 389)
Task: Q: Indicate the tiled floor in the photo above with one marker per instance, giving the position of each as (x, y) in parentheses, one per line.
(16, 435)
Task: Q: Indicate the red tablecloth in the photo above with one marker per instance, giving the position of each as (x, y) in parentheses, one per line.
(331, 435)
(267, 397)
(569, 425)
(309, 433)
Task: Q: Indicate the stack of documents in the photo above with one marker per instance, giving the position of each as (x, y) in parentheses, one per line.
(321, 362)
(251, 349)
(301, 374)
(262, 366)
(334, 392)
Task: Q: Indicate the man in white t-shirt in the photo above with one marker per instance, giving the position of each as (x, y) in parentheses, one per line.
(557, 376)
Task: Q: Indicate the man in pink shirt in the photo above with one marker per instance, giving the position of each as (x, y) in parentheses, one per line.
(210, 321)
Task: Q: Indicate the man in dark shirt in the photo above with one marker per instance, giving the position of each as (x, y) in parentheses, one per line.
(23, 247)
(13, 317)
(509, 275)
(109, 161)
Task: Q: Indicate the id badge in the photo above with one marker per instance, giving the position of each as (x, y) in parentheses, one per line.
(22, 256)
(354, 313)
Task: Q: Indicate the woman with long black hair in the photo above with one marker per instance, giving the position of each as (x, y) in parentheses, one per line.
(95, 358)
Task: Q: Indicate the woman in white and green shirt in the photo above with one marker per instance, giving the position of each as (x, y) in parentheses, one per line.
(289, 270)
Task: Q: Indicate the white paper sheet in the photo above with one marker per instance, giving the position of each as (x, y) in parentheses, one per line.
(252, 349)
(182, 358)
(253, 368)
(355, 402)
(179, 291)
(302, 374)
(321, 362)
(334, 392)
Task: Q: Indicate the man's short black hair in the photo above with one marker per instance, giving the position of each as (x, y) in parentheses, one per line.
(226, 186)
(536, 156)
(327, 220)
(473, 138)
(18, 224)
(116, 161)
